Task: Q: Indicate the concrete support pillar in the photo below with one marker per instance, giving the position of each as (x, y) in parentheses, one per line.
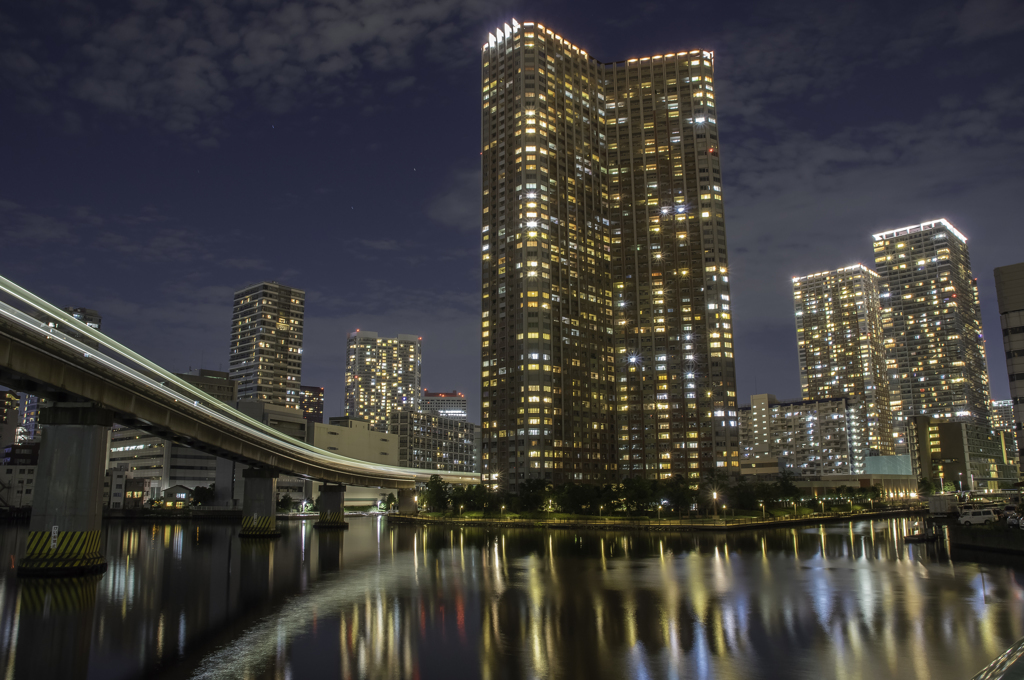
(332, 507)
(259, 506)
(64, 533)
(224, 487)
(407, 501)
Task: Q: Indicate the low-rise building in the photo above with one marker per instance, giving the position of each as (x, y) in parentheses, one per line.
(353, 438)
(971, 457)
(114, 483)
(804, 437)
(430, 442)
(177, 497)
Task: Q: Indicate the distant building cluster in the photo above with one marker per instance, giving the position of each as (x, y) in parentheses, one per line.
(892, 367)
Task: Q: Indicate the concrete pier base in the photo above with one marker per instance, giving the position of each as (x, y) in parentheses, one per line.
(407, 501)
(332, 507)
(64, 533)
(259, 505)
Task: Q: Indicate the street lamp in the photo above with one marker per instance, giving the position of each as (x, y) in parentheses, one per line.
(600, 510)
(761, 503)
(503, 511)
(714, 497)
(460, 509)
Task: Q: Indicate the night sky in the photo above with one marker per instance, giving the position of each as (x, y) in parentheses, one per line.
(157, 156)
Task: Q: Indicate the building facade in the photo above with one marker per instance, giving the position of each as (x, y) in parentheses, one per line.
(1004, 421)
(18, 468)
(382, 375)
(312, 403)
(935, 348)
(802, 437)
(842, 354)
(606, 322)
(8, 418)
(445, 404)
(218, 384)
(1010, 297)
(972, 457)
(432, 442)
(266, 343)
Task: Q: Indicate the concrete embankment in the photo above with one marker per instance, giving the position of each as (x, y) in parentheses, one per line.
(1009, 541)
(644, 524)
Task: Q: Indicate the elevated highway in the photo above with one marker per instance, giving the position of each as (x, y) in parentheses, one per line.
(94, 368)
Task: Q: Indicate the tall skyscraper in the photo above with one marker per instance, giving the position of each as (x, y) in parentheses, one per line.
(842, 354)
(382, 375)
(607, 331)
(266, 343)
(445, 404)
(1010, 297)
(313, 403)
(935, 349)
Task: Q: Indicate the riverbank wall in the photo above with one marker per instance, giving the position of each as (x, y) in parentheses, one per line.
(646, 524)
(1009, 541)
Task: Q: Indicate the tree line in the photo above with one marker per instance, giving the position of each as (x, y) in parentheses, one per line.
(632, 496)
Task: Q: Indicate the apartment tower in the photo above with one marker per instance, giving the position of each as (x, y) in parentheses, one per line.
(842, 354)
(266, 343)
(1010, 297)
(382, 375)
(607, 331)
(935, 349)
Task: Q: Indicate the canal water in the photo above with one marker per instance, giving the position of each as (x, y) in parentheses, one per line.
(190, 600)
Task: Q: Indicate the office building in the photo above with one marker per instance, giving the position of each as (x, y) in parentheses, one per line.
(161, 463)
(805, 438)
(607, 334)
(266, 343)
(18, 467)
(970, 456)
(382, 375)
(935, 349)
(1010, 298)
(445, 404)
(842, 354)
(432, 442)
(312, 403)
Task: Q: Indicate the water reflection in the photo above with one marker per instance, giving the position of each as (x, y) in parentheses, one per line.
(191, 600)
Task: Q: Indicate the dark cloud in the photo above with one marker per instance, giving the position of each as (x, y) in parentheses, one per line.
(981, 19)
(185, 65)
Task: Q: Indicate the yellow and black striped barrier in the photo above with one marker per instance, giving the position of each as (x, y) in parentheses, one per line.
(259, 527)
(62, 553)
(331, 520)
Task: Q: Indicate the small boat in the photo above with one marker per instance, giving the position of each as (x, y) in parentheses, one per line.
(920, 538)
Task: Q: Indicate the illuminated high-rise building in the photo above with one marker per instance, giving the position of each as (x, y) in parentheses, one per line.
(842, 354)
(266, 343)
(935, 349)
(312, 403)
(607, 331)
(382, 375)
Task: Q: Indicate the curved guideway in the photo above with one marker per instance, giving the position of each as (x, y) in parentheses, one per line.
(145, 395)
